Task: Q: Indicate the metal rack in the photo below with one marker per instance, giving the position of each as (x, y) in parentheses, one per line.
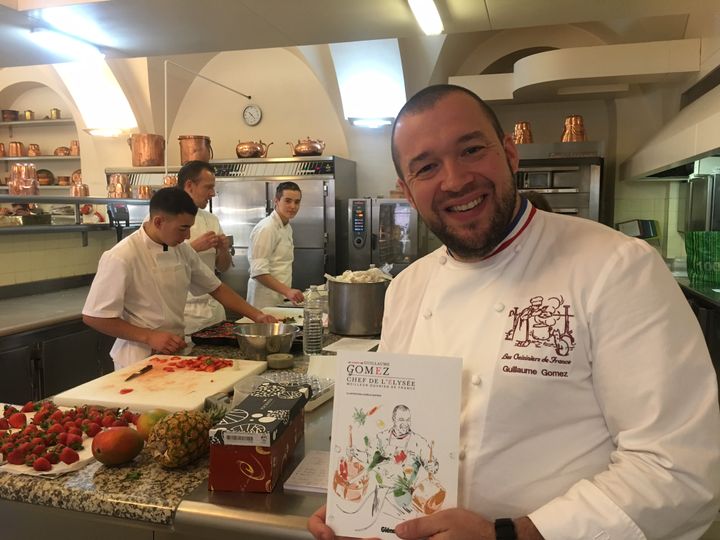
(78, 226)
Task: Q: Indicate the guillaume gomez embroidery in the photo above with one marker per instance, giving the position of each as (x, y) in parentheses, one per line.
(543, 323)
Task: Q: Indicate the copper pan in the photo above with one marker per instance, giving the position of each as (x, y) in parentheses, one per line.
(148, 149)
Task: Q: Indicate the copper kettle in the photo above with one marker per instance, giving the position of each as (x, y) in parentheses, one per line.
(148, 149)
(252, 149)
(308, 147)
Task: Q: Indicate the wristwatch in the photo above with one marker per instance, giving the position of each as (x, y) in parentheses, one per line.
(505, 529)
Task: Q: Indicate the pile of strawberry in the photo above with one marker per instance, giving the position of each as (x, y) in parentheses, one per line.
(198, 363)
(52, 435)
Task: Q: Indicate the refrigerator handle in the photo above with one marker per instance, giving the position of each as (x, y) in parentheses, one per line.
(373, 241)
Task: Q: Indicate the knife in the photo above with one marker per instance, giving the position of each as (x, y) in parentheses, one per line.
(142, 370)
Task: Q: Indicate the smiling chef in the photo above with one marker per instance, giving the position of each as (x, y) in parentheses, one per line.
(139, 292)
(589, 401)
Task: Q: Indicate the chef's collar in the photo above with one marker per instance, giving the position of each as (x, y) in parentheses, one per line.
(165, 247)
(516, 226)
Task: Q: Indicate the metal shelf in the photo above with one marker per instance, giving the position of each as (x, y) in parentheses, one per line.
(38, 123)
(75, 200)
(41, 158)
(80, 227)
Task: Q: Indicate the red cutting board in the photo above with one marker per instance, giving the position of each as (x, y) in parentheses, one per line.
(181, 389)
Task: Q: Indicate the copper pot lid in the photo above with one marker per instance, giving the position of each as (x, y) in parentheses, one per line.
(183, 137)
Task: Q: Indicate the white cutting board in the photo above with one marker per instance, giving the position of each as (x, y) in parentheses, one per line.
(181, 389)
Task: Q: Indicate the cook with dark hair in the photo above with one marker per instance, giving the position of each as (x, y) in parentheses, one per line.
(139, 291)
(589, 401)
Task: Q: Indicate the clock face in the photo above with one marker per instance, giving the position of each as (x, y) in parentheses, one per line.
(252, 114)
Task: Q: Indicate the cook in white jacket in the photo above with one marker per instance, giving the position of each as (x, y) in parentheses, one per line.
(138, 294)
(589, 402)
(197, 178)
(271, 252)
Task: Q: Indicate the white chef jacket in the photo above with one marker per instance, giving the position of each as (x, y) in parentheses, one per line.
(203, 311)
(589, 401)
(270, 252)
(146, 286)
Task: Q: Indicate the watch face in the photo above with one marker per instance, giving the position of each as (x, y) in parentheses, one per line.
(252, 115)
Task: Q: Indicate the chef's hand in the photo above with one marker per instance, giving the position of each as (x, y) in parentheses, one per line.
(460, 524)
(316, 526)
(265, 318)
(165, 342)
(223, 241)
(295, 296)
(205, 241)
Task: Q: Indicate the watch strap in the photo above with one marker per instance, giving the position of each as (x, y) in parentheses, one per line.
(505, 529)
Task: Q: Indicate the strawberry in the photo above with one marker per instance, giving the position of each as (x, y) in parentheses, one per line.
(17, 420)
(75, 431)
(74, 441)
(36, 440)
(6, 448)
(56, 428)
(4, 424)
(39, 449)
(16, 457)
(41, 464)
(119, 423)
(68, 456)
(107, 421)
(25, 447)
(57, 415)
(62, 438)
(52, 457)
(93, 429)
(28, 407)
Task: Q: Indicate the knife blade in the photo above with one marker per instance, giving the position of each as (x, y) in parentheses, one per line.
(139, 372)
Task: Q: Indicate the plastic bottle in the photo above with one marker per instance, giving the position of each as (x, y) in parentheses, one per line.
(312, 323)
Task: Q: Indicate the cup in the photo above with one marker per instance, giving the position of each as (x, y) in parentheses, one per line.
(55, 114)
(28, 115)
(74, 148)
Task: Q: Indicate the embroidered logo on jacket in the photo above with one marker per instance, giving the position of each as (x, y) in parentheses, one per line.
(542, 323)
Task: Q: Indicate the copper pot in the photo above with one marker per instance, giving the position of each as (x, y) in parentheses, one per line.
(63, 180)
(195, 147)
(144, 192)
(308, 147)
(23, 180)
(252, 149)
(79, 190)
(62, 151)
(2, 149)
(10, 115)
(148, 149)
(28, 115)
(33, 149)
(16, 149)
(522, 133)
(574, 130)
(74, 148)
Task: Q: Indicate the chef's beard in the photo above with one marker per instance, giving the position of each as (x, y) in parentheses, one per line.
(478, 245)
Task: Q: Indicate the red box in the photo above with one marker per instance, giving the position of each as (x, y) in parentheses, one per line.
(251, 445)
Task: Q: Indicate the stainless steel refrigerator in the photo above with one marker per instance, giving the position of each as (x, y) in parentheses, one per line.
(245, 192)
(386, 231)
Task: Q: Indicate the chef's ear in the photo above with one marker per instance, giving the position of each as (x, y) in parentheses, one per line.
(511, 153)
(158, 220)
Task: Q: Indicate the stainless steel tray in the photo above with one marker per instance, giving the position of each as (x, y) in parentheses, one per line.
(22, 221)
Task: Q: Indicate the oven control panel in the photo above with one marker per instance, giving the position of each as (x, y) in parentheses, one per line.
(359, 222)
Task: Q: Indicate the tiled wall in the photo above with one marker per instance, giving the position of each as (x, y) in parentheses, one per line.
(35, 257)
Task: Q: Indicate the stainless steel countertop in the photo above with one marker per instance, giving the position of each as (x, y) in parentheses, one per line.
(37, 311)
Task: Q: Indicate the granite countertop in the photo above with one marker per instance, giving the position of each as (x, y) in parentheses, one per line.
(705, 291)
(37, 311)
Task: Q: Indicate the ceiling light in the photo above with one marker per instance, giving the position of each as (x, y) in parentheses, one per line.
(64, 44)
(370, 122)
(106, 132)
(427, 16)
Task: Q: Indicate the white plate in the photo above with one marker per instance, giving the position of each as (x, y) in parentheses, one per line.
(280, 313)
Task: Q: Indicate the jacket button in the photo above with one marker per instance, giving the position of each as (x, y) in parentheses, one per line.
(461, 454)
(499, 307)
(443, 260)
(476, 380)
(427, 314)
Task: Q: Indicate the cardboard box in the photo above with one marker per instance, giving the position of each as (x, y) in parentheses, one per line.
(250, 446)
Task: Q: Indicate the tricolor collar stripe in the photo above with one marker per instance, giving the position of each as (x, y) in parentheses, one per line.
(526, 214)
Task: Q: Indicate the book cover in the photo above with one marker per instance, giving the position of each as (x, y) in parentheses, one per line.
(395, 439)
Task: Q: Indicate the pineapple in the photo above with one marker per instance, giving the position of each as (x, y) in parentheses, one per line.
(182, 437)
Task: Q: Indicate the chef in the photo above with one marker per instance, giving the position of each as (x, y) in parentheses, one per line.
(197, 178)
(271, 252)
(589, 402)
(139, 292)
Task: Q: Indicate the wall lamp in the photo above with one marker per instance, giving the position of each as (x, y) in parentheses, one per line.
(370, 122)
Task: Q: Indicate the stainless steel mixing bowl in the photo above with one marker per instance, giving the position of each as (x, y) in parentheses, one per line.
(257, 340)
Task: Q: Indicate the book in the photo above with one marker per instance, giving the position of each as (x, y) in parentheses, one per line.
(394, 443)
(311, 475)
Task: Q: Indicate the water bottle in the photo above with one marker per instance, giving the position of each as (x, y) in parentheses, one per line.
(312, 322)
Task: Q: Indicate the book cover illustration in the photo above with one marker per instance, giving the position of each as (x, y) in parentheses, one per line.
(395, 438)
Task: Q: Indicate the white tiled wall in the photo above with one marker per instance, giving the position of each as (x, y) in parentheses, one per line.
(35, 257)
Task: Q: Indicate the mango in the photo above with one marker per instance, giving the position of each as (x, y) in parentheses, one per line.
(147, 420)
(117, 445)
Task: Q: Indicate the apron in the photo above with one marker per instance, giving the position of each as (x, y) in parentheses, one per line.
(203, 311)
(170, 276)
